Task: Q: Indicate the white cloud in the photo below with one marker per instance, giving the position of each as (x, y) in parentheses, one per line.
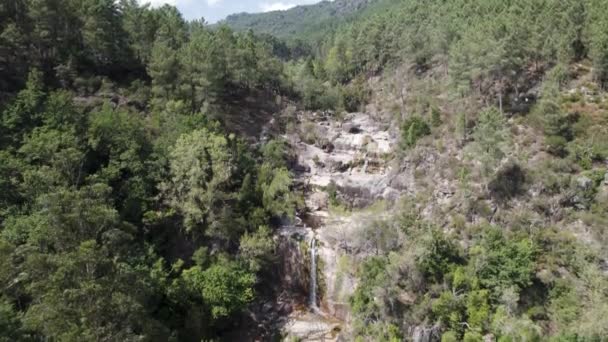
(213, 2)
(275, 6)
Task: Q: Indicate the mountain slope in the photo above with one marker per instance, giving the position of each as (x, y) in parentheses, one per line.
(298, 21)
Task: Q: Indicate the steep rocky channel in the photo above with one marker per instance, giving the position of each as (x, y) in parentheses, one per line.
(343, 167)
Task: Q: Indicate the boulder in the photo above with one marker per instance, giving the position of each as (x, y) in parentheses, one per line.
(426, 334)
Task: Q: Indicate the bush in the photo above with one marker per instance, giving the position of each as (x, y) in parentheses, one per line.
(449, 310)
(504, 263)
(471, 336)
(412, 130)
(440, 256)
(435, 117)
(330, 98)
(332, 192)
(449, 336)
(556, 145)
(355, 95)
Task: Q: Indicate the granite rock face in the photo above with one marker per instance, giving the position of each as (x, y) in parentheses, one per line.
(348, 163)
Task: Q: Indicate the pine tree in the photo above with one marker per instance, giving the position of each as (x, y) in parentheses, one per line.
(163, 69)
(491, 137)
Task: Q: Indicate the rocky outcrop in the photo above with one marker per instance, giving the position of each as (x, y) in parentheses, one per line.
(352, 154)
(293, 272)
(426, 334)
(349, 159)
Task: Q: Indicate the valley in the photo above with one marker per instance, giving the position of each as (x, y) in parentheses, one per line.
(348, 170)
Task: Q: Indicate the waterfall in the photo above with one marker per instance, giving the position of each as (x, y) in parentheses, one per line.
(313, 274)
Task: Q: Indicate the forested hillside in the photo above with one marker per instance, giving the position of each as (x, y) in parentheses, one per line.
(301, 22)
(127, 210)
(447, 159)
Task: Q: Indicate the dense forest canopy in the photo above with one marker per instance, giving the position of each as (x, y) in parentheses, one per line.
(135, 206)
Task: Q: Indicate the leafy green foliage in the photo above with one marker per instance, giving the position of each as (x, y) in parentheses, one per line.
(413, 129)
(440, 256)
(200, 168)
(9, 323)
(491, 137)
(482, 288)
(364, 304)
(113, 166)
(503, 263)
(131, 209)
(257, 248)
(225, 286)
(299, 22)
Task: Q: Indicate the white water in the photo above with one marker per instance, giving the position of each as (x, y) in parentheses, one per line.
(313, 274)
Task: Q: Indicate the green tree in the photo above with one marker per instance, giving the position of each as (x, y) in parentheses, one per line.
(275, 187)
(88, 294)
(10, 326)
(56, 158)
(226, 287)
(412, 130)
(117, 138)
(24, 113)
(257, 248)
(200, 68)
(449, 310)
(201, 169)
(336, 64)
(140, 26)
(13, 66)
(163, 69)
(439, 256)
(172, 29)
(510, 328)
(598, 40)
(103, 38)
(245, 71)
(478, 309)
(491, 137)
(501, 263)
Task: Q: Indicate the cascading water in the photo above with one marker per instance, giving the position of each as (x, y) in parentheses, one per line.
(365, 164)
(313, 274)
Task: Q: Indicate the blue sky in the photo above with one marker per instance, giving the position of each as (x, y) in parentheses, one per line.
(214, 10)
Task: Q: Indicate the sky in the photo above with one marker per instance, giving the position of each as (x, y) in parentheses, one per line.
(214, 10)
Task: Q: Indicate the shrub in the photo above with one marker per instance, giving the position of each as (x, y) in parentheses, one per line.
(355, 95)
(556, 145)
(435, 117)
(449, 336)
(504, 262)
(450, 311)
(471, 336)
(413, 129)
(440, 256)
(491, 138)
(332, 192)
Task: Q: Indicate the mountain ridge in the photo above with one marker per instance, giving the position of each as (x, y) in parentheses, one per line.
(297, 21)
